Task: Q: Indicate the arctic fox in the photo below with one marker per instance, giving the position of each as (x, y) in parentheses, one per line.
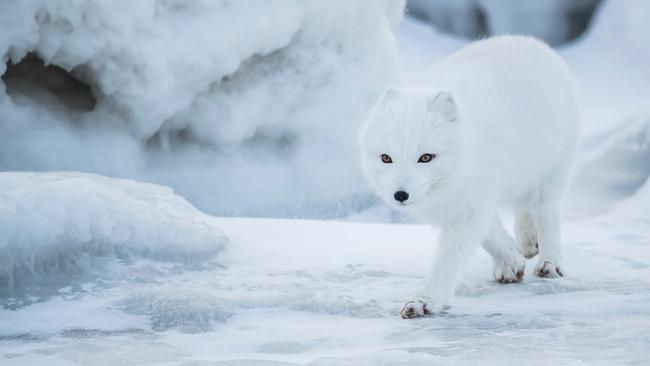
(494, 124)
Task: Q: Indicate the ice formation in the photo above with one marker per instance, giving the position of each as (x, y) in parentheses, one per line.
(57, 227)
(241, 106)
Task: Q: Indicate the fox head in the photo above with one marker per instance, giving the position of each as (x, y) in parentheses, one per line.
(411, 146)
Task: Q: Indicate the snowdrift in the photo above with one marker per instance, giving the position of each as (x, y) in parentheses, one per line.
(57, 227)
(610, 66)
(618, 168)
(182, 92)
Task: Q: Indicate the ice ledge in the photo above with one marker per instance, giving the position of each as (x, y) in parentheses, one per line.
(62, 225)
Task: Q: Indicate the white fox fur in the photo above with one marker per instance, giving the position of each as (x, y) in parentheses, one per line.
(500, 116)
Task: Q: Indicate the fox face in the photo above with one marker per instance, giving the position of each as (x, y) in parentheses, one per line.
(410, 146)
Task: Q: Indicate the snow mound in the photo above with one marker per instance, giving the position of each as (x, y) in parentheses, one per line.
(60, 226)
(617, 168)
(159, 86)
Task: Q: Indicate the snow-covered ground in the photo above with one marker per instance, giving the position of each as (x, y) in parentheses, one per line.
(132, 283)
(328, 293)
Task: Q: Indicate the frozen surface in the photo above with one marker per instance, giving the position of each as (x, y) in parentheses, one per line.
(293, 292)
(329, 292)
(60, 228)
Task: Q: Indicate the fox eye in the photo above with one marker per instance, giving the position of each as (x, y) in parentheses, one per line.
(386, 159)
(425, 158)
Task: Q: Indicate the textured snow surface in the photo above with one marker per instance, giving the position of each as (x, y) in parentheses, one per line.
(327, 292)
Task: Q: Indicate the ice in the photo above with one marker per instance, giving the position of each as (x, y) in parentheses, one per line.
(57, 227)
(182, 91)
(329, 292)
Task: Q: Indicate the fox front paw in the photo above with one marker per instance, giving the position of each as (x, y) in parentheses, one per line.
(511, 271)
(414, 309)
(548, 269)
(419, 308)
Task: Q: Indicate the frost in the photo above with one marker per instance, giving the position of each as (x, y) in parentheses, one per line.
(179, 92)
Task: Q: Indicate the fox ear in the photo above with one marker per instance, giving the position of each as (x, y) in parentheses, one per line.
(443, 105)
(389, 95)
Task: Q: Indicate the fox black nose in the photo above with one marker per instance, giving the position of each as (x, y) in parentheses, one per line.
(401, 196)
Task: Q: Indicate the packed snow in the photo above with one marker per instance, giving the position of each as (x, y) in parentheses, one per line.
(107, 271)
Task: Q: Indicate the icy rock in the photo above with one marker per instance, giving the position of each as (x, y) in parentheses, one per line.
(63, 225)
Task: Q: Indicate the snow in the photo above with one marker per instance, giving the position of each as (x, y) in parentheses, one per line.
(57, 227)
(610, 67)
(165, 286)
(329, 292)
(198, 87)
